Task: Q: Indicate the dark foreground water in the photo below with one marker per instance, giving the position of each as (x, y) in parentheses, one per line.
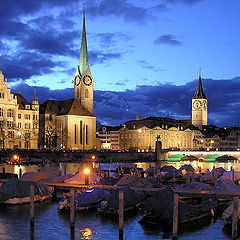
(53, 225)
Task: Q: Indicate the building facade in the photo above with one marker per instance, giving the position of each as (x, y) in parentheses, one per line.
(19, 119)
(109, 137)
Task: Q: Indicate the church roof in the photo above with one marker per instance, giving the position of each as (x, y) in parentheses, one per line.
(65, 107)
(199, 94)
(83, 61)
(21, 101)
(162, 122)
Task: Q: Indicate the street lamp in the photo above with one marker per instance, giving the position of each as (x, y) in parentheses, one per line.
(86, 172)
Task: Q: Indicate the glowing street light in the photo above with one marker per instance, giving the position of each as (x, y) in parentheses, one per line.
(86, 172)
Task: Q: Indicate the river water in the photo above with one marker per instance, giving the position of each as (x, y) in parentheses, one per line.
(53, 225)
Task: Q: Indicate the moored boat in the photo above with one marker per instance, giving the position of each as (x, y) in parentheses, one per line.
(16, 191)
(85, 199)
(159, 209)
(132, 200)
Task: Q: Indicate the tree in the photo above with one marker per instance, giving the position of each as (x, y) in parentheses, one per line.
(6, 134)
(51, 132)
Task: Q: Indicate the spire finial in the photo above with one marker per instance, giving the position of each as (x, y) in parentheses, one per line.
(34, 93)
(200, 72)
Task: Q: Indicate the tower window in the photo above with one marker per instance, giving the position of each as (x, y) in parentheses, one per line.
(86, 93)
(78, 93)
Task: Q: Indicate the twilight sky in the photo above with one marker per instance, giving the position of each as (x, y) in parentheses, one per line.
(144, 55)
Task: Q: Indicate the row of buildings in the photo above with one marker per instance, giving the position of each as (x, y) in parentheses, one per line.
(71, 124)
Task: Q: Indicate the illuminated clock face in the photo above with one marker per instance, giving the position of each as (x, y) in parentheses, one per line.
(87, 80)
(77, 80)
(197, 104)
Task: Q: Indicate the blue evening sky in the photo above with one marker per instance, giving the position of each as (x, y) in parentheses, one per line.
(144, 55)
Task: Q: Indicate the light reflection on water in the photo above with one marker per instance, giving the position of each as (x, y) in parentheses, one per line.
(86, 233)
(72, 168)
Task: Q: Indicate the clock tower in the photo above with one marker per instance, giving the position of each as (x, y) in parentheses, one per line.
(83, 82)
(199, 106)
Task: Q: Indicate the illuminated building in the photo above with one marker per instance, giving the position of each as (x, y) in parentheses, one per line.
(70, 124)
(19, 119)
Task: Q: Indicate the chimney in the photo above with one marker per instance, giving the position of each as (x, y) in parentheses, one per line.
(137, 116)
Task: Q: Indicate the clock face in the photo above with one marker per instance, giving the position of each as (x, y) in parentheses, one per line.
(197, 104)
(77, 80)
(87, 80)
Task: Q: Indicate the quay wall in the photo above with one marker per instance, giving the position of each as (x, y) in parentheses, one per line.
(79, 156)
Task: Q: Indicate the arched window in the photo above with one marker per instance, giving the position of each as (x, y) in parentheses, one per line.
(1, 112)
(10, 113)
(86, 93)
(78, 93)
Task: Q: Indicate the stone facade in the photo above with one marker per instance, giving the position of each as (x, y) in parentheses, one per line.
(19, 119)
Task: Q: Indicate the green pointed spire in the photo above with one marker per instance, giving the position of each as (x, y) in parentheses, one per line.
(83, 61)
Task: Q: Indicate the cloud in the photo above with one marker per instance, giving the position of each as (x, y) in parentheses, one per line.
(114, 108)
(160, 8)
(97, 56)
(163, 100)
(168, 40)
(109, 40)
(118, 8)
(51, 43)
(28, 64)
(145, 64)
(189, 2)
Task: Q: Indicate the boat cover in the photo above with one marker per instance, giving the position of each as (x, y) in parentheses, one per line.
(89, 197)
(187, 167)
(16, 188)
(79, 178)
(196, 186)
(229, 211)
(58, 179)
(229, 175)
(193, 175)
(133, 181)
(8, 175)
(209, 176)
(37, 176)
(130, 197)
(226, 185)
(220, 169)
(161, 205)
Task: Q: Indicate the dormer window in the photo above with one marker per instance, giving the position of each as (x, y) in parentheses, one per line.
(27, 106)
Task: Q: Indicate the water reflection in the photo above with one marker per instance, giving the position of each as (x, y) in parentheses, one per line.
(72, 168)
(86, 233)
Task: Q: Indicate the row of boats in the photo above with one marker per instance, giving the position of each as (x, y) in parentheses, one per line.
(141, 194)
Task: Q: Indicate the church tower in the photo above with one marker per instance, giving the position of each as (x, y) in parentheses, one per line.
(83, 82)
(199, 106)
